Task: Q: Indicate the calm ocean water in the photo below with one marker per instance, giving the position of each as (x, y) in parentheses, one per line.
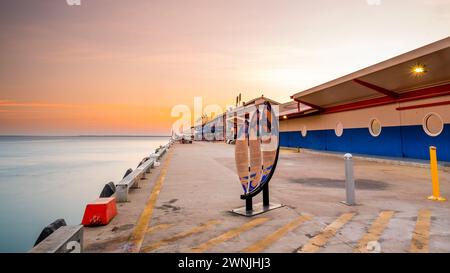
(45, 178)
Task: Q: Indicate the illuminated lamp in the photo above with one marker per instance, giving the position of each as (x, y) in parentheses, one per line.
(418, 70)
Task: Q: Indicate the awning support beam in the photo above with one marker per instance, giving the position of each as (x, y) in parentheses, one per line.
(429, 92)
(379, 89)
(310, 105)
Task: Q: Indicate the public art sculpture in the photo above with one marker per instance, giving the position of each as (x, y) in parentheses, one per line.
(256, 154)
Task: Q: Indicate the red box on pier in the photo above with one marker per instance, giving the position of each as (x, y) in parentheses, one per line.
(100, 212)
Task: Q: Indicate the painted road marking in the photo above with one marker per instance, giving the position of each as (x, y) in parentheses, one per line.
(158, 228)
(289, 151)
(375, 231)
(125, 238)
(229, 235)
(184, 234)
(321, 239)
(275, 236)
(421, 233)
(135, 241)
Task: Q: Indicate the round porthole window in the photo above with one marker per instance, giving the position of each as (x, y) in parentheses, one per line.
(375, 127)
(304, 131)
(433, 124)
(339, 130)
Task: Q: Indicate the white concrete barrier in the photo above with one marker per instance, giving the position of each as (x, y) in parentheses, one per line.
(132, 180)
(66, 239)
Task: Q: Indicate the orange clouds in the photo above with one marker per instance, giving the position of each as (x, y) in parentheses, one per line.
(120, 67)
(29, 117)
(10, 103)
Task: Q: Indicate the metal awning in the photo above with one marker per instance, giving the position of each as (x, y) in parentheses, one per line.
(386, 82)
(293, 107)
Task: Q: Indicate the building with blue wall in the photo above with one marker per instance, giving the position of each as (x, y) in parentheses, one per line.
(397, 108)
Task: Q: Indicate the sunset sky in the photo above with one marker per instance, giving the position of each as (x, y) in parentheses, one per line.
(118, 67)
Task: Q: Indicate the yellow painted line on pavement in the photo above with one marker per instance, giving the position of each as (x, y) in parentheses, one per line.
(158, 228)
(275, 236)
(184, 234)
(144, 220)
(375, 231)
(289, 151)
(421, 233)
(229, 235)
(321, 239)
(125, 238)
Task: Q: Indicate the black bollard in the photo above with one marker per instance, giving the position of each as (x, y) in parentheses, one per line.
(49, 230)
(108, 190)
(130, 170)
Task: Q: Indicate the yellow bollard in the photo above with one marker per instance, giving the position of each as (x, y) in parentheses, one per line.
(434, 176)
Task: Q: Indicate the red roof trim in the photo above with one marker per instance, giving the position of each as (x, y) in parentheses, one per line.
(423, 105)
(424, 93)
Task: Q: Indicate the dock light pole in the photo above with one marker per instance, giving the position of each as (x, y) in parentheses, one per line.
(349, 181)
(434, 176)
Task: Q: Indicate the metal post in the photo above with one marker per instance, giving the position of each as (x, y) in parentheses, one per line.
(248, 204)
(266, 202)
(349, 181)
(434, 176)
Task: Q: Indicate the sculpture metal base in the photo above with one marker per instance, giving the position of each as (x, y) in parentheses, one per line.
(347, 203)
(258, 208)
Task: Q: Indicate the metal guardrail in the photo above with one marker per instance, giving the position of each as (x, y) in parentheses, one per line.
(69, 239)
(161, 151)
(132, 180)
(66, 239)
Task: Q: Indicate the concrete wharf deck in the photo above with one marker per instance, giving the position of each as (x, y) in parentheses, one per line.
(184, 206)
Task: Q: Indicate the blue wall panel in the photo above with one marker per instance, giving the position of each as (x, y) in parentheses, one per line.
(397, 141)
(313, 140)
(284, 139)
(416, 143)
(360, 141)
